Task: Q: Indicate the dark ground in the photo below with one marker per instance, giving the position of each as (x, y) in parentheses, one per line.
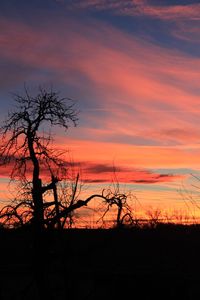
(161, 263)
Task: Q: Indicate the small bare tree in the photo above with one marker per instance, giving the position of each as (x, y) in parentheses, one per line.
(154, 217)
(113, 197)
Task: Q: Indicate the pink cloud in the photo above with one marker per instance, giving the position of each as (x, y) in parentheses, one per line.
(151, 90)
(139, 8)
(167, 12)
(98, 172)
(178, 135)
(96, 4)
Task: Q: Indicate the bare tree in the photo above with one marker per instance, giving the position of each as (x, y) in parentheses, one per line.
(26, 145)
(113, 197)
(154, 217)
(47, 195)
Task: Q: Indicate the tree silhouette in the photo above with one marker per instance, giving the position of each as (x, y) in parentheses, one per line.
(26, 144)
(47, 196)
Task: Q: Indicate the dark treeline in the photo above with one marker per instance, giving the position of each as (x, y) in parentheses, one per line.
(154, 263)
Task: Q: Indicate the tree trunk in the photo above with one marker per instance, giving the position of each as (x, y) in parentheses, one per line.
(55, 194)
(37, 187)
(38, 205)
(118, 221)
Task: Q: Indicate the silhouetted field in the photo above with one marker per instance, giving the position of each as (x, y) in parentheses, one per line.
(160, 263)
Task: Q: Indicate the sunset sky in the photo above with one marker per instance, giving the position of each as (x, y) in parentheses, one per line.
(133, 68)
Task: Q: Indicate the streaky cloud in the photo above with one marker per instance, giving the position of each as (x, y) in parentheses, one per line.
(167, 11)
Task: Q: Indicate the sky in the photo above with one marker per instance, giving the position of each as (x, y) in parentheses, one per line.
(132, 68)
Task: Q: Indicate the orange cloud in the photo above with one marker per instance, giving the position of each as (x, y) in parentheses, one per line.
(134, 156)
(102, 172)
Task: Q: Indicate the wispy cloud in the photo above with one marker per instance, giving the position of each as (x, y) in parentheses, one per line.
(140, 8)
(187, 31)
(141, 93)
(177, 135)
(166, 12)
